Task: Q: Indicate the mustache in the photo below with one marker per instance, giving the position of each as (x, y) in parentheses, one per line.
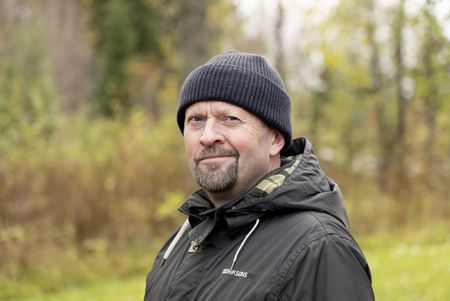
(215, 151)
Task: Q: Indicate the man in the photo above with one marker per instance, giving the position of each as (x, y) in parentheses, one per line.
(267, 223)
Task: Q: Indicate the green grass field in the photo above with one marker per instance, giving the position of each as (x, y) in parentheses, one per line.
(130, 289)
(413, 272)
(401, 271)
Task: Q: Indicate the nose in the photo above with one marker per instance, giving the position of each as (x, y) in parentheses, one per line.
(211, 134)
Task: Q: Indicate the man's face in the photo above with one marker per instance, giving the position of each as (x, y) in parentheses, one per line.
(229, 149)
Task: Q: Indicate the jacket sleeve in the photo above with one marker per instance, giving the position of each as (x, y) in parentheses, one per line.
(331, 267)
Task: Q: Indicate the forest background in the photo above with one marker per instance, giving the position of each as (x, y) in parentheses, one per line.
(92, 166)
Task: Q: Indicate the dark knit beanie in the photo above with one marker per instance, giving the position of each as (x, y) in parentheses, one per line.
(242, 79)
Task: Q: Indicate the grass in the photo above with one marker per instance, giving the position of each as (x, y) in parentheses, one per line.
(408, 271)
(130, 289)
(414, 268)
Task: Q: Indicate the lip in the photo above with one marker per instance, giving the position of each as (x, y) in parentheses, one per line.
(214, 158)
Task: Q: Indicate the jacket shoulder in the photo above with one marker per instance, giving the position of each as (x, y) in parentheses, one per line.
(327, 262)
(312, 225)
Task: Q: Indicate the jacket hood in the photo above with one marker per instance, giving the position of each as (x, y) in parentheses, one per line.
(299, 184)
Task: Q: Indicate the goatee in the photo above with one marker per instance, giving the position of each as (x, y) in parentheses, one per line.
(215, 177)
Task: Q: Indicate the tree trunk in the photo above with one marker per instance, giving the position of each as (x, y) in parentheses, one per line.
(384, 140)
(279, 55)
(431, 94)
(400, 174)
(193, 34)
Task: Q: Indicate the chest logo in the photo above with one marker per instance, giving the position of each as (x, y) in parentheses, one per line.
(237, 273)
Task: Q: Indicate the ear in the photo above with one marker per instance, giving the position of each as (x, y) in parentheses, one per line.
(277, 143)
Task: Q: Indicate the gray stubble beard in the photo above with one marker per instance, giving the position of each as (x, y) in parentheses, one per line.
(215, 179)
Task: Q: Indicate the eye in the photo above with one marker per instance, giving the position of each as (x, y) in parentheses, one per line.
(231, 119)
(195, 120)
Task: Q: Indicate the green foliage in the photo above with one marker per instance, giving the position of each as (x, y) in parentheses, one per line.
(125, 32)
(100, 194)
(118, 44)
(169, 205)
(27, 93)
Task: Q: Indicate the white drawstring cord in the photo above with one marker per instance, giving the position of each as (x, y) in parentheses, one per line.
(243, 243)
(180, 233)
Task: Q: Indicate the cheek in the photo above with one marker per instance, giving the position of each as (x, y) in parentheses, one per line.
(258, 153)
(251, 152)
(189, 148)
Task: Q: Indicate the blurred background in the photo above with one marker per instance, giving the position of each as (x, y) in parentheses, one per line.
(92, 166)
